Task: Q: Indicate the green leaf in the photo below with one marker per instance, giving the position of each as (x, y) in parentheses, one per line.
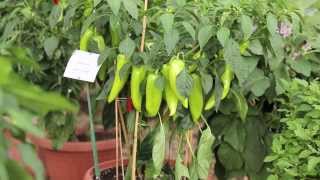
(114, 5)
(236, 136)
(42, 101)
(167, 22)
(240, 65)
(205, 33)
(3, 172)
(260, 87)
(23, 120)
(223, 35)
(205, 154)
(171, 39)
(241, 103)
(180, 169)
(159, 148)
(30, 158)
(55, 16)
(5, 70)
(127, 47)
(16, 171)
(246, 26)
(302, 66)
(257, 83)
(180, 3)
(229, 158)
(184, 83)
(255, 150)
(207, 82)
(255, 47)
(190, 29)
(194, 169)
(50, 45)
(277, 45)
(272, 23)
(132, 7)
(313, 162)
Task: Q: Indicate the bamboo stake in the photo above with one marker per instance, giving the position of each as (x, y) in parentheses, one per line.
(121, 154)
(123, 126)
(134, 151)
(117, 153)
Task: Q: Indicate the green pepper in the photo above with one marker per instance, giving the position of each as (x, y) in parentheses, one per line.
(88, 8)
(118, 82)
(137, 76)
(176, 66)
(153, 95)
(226, 79)
(211, 102)
(100, 42)
(196, 98)
(115, 30)
(170, 97)
(85, 38)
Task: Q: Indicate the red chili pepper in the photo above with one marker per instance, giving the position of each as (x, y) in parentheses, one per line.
(129, 105)
(55, 2)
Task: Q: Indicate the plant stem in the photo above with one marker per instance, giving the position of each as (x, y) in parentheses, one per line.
(93, 136)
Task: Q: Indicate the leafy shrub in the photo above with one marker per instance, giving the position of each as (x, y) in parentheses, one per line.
(295, 148)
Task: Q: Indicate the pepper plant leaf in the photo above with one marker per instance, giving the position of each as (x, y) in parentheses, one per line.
(205, 33)
(180, 169)
(114, 5)
(241, 103)
(204, 154)
(246, 26)
(158, 150)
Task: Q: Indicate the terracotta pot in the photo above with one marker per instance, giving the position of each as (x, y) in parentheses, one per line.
(103, 166)
(72, 160)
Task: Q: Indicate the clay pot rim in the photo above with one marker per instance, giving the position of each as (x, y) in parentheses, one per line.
(104, 165)
(73, 146)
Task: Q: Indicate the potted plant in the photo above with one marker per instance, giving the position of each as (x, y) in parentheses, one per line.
(199, 62)
(17, 116)
(51, 43)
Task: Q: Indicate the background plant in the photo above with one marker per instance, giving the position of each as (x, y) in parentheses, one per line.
(295, 145)
(17, 116)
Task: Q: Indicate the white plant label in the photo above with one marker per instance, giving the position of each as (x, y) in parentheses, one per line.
(82, 66)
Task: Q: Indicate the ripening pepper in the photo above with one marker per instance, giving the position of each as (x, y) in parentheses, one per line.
(196, 98)
(137, 76)
(153, 95)
(176, 66)
(85, 38)
(119, 81)
(226, 79)
(170, 97)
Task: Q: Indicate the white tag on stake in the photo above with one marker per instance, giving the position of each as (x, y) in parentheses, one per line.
(82, 66)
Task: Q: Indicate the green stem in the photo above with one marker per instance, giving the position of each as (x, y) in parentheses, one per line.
(93, 137)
